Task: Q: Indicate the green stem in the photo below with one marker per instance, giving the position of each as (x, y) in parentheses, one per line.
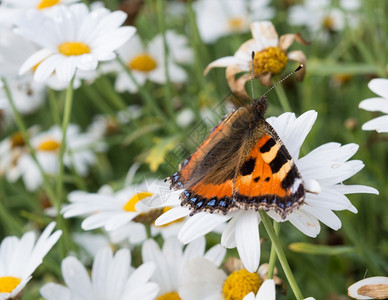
(167, 87)
(284, 103)
(26, 137)
(65, 124)
(280, 253)
(272, 256)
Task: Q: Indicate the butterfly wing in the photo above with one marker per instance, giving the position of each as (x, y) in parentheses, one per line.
(208, 174)
(242, 164)
(268, 177)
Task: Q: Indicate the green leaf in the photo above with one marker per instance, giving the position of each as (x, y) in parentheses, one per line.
(320, 249)
(157, 153)
(328, 68)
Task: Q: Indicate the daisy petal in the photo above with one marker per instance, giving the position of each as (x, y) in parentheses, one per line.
(172, 215)
(379, 124)
(227, 61)
(264, 33)
(200, 224)
(375, 104)
(379, 86)
(248, 239)
(35, 59)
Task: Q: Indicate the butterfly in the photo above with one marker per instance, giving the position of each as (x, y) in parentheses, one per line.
(242, 164)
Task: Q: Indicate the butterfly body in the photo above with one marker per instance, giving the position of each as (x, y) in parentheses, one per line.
(243, 164)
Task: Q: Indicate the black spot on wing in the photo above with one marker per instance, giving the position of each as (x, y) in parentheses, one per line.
(280, 159)
(288, 181)
(256, 179)
(248, 167)
(268, 145)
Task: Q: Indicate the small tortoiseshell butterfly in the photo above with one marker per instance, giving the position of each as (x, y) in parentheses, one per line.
(243, 164)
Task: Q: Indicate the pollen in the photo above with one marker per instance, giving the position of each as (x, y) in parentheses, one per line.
(8, 284)
(49, 145)
(47, 3)
(73, 48)
(130, 205)
(239, 284)
(236, 23)
(143, 63)
(169, 296)
(270, 60)
(166, 209)
(17, 140)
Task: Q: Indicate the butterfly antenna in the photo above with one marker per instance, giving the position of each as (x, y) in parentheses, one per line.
(253, 93)
(284, 78)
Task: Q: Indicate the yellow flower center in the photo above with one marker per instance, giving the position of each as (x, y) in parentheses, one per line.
(47, 3)
(166, 209)
(17, 140)
(169, 296)
(270, 60)
(239, 284)
(130, 205)
(328, 23)
(236, 23)
(49, 145)
(8, 284)
(143, 63)
(73, 48)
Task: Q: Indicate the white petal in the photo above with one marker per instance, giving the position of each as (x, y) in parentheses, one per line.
(200, 224)
(305, 222)
(54, 291)
(326, 216)
(379, 86)
(379, 280)
(379, 124)
(216, 254)
(267, 290)
(172, 215)
(76, 277)
(354, 189)
(248, 239)
(228, 238)
(374, 104)
(227, 61)
(34, 59)
(265, 34)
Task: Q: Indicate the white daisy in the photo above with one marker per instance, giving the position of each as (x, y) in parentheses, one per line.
(217, 18)
(74, 38)
(11, 149)
(112, 277)
(172, 260)
(321, 15)
(122, 213)
(20, 257)
(147, 63)
(369, 288)
(380, 87)
(79, 155)
(323, 171)
(271, 57)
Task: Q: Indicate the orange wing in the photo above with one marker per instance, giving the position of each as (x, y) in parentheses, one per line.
(242, 164)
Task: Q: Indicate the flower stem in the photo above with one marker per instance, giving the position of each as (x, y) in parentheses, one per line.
(284, 103)
(65, 124)
(26, 137)
(272, 257)
(167, 87)
(280, 253)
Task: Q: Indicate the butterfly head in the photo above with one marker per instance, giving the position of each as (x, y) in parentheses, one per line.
(260, 106)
